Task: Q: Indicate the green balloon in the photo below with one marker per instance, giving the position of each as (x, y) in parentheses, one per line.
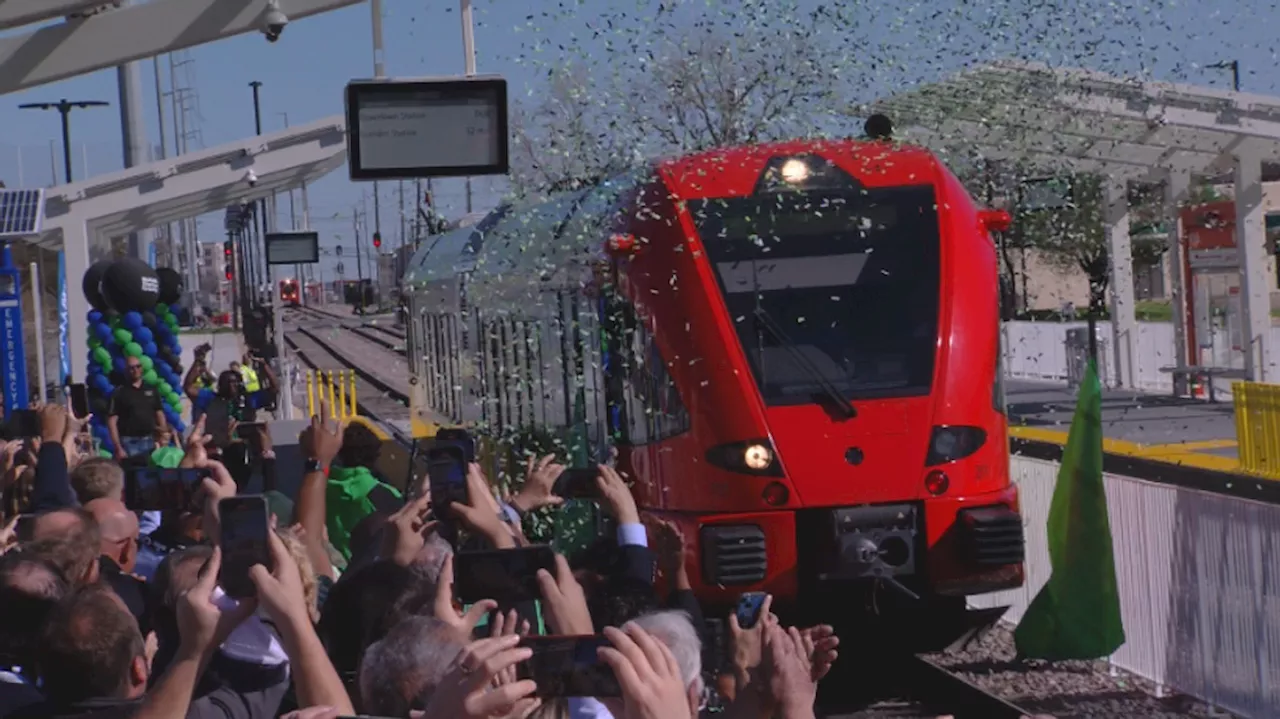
(133, 349)
(175, 400)
(102, 356)
(171, 320)
(161, 308)
(166, 389)
(150, 377)
(147, 362)
(106, 365)
(123, 336)
(94, 343)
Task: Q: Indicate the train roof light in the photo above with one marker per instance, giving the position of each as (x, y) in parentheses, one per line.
(995, 220)
(800, 173)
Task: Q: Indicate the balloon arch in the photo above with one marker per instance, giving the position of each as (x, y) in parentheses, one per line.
(133, 315)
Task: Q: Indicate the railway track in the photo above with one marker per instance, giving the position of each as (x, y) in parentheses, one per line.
(375, 397)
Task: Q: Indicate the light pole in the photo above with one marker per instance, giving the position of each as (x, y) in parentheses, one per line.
(262, 209)
(1233, 66)
(64, 107)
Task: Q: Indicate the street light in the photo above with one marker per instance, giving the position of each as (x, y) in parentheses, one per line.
(64, 107)
(1233, 66)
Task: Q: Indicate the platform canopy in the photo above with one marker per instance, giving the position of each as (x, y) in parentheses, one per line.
(1071, 120)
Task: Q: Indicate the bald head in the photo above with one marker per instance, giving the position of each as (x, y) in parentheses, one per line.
(58, 523)
(115, 521)
(118, 528)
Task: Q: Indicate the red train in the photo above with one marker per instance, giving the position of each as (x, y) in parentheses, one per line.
(793, 347)
(289, 291)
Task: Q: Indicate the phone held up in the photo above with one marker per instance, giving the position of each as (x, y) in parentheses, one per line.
(156, 489)
(246, 530)
(748, 610)
(578, 483)
(569, 667)
(79, 396)
(508, 576)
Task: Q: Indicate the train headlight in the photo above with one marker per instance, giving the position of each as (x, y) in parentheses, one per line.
(947, 444)
(795, 171)
(750, 456)
(757, 457)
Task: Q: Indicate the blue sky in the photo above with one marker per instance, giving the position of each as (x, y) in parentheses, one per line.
(883, 46)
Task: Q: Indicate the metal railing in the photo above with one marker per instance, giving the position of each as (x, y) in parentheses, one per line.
(1257, 409)
(331, 386)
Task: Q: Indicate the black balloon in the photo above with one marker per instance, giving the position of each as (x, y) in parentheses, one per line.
(130, 285)
(170, 285)
(92, 284)
(149, 319)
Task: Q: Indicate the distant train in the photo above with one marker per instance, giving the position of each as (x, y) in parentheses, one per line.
(289, 292)
(793, 349)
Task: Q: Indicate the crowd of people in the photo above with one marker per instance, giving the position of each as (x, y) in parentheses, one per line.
(109, 611)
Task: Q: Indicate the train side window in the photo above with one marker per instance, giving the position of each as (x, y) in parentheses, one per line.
(519, 382)
(496, 389)
(997, 387)
(483, 361)
(450, 348)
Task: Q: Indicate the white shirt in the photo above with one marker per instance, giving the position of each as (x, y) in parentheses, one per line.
(587, 708)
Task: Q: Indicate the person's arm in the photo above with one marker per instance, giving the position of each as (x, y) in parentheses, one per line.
(320, 443)
(52, 486)
(191, 385)
(113, 427)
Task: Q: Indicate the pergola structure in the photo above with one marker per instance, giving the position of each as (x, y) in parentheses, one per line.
(81, 217)
(1080, 121)
(89, 41)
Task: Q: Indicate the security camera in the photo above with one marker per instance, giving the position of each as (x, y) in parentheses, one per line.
(273, 21)
(251, 177)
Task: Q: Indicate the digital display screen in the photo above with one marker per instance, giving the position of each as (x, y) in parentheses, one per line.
(427, 128)
(293, 248)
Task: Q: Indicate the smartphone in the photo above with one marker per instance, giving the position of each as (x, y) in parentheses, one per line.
(568, 667)
(748, 609)
(458, 437)
(245, 526)
(578, 483)
(79, 395)
(506, 575)
(217, 422)
(24, 423)
(155, 489)
(447, 475)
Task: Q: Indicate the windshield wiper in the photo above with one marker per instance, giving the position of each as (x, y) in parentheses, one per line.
(804, 363)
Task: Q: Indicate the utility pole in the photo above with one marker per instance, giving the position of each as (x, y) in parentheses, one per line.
(355, 227)
(468, 59)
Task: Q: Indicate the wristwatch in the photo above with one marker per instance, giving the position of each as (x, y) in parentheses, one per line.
(312, 465)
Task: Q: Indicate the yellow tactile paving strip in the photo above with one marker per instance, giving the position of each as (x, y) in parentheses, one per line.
(1190, 454)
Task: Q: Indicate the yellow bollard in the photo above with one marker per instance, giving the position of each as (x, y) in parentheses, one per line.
(342, 397)
(333, 404)
(354, 410)
(311, 395)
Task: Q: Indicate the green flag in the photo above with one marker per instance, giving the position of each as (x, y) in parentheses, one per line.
(1076, 615)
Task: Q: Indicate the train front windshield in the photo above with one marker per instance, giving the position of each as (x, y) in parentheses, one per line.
(830, 291)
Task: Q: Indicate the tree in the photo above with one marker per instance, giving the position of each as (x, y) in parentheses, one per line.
(695, 85)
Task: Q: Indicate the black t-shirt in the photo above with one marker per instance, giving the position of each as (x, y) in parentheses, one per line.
(135, 410)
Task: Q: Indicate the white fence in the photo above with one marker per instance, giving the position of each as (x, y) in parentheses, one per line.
(1199, 579)
(1037, 350)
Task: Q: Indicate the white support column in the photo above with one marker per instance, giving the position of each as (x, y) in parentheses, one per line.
(1175, 193)
(1255, 285)
(75, 242)
(1123, 321)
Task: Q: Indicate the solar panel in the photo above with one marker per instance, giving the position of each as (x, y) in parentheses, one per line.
(21, 212)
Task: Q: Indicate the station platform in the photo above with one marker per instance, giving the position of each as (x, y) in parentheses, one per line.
(1135, 424)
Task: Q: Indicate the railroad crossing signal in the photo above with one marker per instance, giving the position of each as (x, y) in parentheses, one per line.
(339, 269)
(377, 240)
(338, 250)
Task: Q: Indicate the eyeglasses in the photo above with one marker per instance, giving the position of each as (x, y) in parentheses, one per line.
(134, 366)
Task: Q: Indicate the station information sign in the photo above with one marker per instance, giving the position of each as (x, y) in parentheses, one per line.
(408, 129)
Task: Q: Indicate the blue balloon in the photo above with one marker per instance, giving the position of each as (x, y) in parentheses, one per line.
(95, 316)
(131, 321)
(150, 349)
(101, 383)
(117, 363)
(103, 331)
(142, 335)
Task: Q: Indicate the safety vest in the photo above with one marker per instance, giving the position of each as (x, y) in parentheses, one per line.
(250, 378)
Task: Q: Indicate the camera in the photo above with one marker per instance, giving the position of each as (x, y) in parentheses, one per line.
(273, 21)
(251, 177)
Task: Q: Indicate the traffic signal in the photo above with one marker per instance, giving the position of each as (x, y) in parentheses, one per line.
(227, 248)
(230, 275)
(377, 239)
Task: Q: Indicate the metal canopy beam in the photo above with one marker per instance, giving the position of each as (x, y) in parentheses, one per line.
(191, 184)
(145, 30)
(16, 13)
(77, 215)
